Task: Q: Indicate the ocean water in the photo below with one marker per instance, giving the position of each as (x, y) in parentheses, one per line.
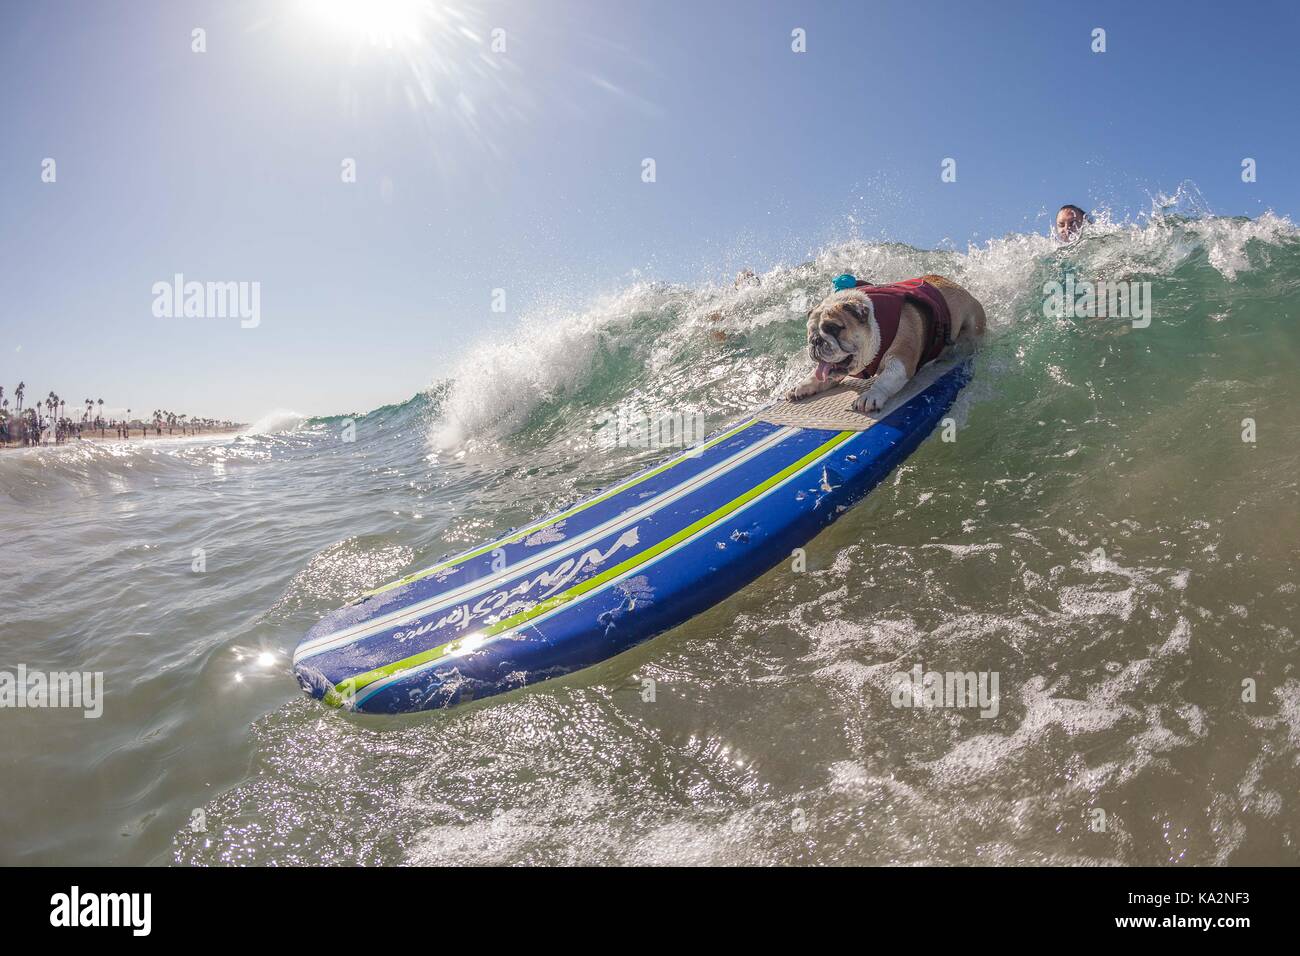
(1100, 535)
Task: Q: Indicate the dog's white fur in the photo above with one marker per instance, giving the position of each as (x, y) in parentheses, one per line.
(843, 333)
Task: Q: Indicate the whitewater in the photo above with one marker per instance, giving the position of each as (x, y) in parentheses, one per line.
(1114, 533)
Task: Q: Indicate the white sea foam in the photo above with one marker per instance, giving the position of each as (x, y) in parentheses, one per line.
(716, 333)
(276, 422)
(498, 383)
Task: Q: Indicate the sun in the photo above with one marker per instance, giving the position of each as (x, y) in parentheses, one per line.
(439, 55)
(386, 22)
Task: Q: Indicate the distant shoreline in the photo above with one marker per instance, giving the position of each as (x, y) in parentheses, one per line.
(136, 438)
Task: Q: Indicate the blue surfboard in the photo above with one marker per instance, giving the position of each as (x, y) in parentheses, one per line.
(581, 586)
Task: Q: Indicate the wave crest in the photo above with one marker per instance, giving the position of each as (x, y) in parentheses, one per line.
(722, 346)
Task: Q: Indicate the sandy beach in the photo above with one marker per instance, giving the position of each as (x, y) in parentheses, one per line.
(137, 437)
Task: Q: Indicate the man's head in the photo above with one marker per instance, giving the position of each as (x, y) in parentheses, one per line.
(1069, 222)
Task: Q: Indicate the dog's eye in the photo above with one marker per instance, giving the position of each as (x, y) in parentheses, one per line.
(830, 328)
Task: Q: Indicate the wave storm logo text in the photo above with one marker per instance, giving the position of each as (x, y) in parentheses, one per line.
(488, 608)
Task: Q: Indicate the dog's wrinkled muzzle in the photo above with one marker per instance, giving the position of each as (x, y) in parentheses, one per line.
(824, 366)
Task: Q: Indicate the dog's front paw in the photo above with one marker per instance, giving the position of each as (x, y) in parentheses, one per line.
(803, 390)
(868, 402)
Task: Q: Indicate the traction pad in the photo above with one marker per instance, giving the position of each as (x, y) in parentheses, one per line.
(833, 408)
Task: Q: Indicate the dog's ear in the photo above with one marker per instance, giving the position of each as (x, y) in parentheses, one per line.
(854, 307)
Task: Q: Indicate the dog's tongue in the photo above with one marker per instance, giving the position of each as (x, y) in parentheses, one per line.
(823, 369)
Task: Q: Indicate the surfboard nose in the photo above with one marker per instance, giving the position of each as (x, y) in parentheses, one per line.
(311, 680)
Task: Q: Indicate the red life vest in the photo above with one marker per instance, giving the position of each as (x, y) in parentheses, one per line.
(887, 302)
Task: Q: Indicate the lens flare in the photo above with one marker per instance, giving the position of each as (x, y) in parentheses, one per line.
(381, 22)
(451, 63)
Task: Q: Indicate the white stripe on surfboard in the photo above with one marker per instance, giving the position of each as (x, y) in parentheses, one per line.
(371, 689)
(438, 602)
(516, 535)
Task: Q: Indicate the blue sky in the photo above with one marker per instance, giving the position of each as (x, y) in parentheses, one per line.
(522, 170)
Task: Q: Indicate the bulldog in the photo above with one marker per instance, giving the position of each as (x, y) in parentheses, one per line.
(885, 331)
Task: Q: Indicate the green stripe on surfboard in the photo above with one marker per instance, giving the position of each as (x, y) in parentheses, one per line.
(353, 685)
(533, 529)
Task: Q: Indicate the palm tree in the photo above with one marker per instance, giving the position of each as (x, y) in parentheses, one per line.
(18, 394)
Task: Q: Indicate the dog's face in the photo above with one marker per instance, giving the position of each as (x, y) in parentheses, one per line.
(842, 334)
